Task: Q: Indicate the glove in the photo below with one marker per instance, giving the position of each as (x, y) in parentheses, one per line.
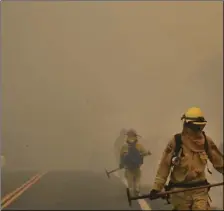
(154, 194)
(149, 153)
(164, 197)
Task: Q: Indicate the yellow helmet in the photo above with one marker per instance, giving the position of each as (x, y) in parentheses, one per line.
(195, 116)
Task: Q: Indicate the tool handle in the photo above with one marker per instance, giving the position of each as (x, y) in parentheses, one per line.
(190, 189)
(114, 170)
(177, 191)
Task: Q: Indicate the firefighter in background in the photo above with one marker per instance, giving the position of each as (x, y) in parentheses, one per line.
(186, 157)
(131, 159)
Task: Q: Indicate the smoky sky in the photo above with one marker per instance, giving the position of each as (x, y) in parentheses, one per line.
(75, 73)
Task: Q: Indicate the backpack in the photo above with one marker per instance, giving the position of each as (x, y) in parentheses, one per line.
(178, 142)
(133, 158)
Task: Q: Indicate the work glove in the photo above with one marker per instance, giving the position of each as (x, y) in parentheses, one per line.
(164, 197)
(154, 194)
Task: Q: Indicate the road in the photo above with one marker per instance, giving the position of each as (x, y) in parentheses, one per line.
(68, 190)
(10, 180)
(72, 190)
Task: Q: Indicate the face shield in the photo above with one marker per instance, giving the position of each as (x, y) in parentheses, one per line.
(194, 127)
(194, 124)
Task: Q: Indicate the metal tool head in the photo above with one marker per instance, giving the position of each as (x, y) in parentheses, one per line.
(128, 196)
(107, 173)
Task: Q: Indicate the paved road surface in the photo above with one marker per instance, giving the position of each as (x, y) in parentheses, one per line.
(10, 180)
(73, 190)
(69, 190)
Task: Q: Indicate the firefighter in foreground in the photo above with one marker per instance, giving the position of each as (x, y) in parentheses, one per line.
(131, 159)
(186, 157)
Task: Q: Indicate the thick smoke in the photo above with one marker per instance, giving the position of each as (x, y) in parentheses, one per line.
(75, 73)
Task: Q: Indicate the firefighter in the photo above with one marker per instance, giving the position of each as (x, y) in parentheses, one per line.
(186, 160)
(131, 159)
